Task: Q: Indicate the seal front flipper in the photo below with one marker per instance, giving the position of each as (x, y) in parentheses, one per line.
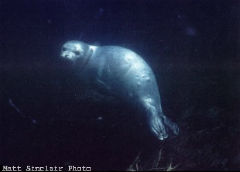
(104, 88)
(103, 84)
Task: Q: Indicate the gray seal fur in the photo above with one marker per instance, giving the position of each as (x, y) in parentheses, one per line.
(125, 73)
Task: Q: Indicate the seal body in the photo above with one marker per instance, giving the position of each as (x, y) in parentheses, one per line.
(123, 73)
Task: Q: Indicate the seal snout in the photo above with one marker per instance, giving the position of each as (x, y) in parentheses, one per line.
(68, 55)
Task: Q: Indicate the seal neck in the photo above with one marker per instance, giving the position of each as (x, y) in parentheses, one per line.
(89, 54)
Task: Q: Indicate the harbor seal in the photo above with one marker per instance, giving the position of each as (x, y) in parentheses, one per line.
(123, 73)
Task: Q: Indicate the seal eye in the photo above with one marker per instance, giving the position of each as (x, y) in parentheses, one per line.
(64, 49)
(77, 53)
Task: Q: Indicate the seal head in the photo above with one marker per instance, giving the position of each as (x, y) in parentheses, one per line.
(77, 52)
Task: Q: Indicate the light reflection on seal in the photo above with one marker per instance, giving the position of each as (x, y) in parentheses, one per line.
(123, 73)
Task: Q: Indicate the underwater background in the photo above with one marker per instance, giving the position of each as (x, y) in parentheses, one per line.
(48, 118)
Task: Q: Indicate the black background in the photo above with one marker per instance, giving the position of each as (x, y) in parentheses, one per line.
(192, 47)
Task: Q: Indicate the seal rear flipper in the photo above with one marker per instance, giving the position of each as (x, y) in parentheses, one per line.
(157, 127)
(171, 125)
(155, 120)
(161, 126)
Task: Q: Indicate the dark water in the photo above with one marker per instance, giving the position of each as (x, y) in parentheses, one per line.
(48, 118)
